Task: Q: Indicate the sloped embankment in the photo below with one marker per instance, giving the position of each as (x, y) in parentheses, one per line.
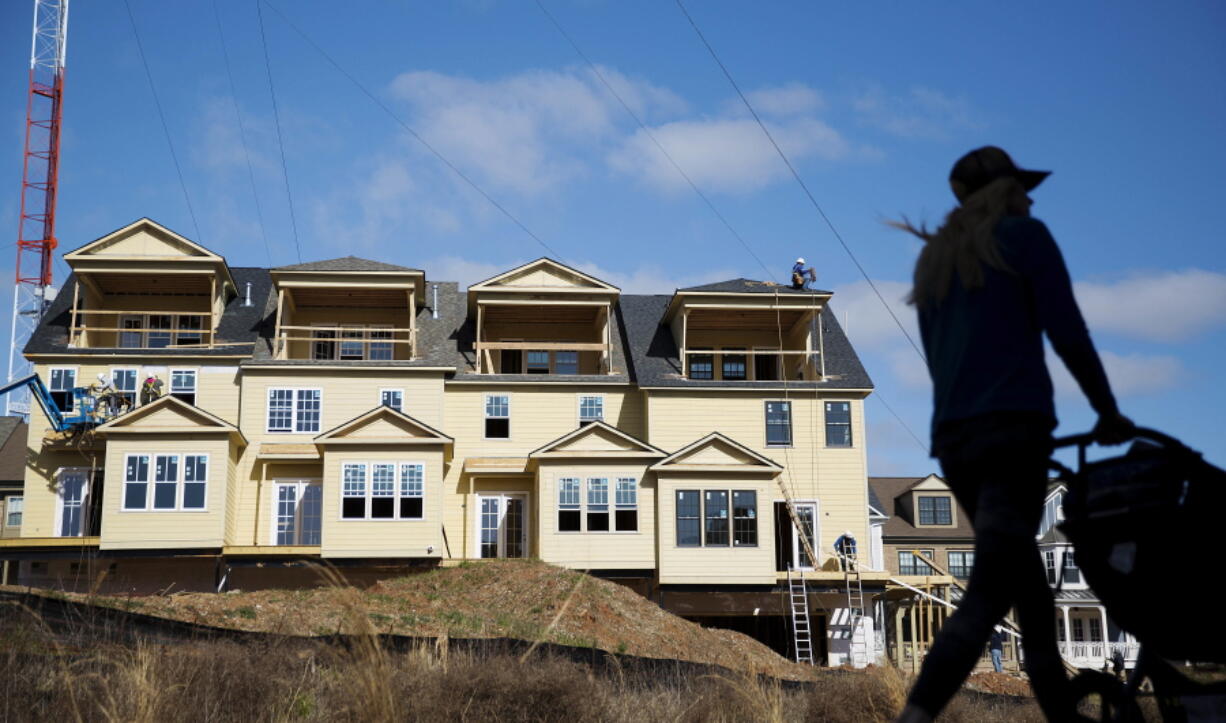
(521, 599)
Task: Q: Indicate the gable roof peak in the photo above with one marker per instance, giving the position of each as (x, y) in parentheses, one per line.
(345, 263)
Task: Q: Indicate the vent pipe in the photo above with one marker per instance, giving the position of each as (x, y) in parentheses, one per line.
(247, 298)
(434, 306)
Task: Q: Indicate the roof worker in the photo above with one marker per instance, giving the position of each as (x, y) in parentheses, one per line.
(989, 283)
(801, 276)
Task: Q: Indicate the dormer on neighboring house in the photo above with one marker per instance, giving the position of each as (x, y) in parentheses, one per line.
(1053, 508)
(543, 318)
(929, 504)
(347, 309)
(743, 330)
(146, 287)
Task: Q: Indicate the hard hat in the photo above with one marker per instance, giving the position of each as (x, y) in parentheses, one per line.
(800, 260)
(102, 376)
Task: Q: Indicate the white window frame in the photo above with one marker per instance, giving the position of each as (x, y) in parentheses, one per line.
(579, 408)
(397, 489)
(851, 423)
(611, 504)
(525, 530)
(180, 482)
(794, 534)
(136, 381)
(195, 391)
(59, 501)
(76, 373)
(396, 390)
(293, 419)
(766, 425)
(8, 510)
(485, 404)
(300, 484)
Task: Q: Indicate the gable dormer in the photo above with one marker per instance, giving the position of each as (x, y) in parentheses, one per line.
(745, 330)
(347, 309)
(543, 318)
(929, 504)
(147, 287)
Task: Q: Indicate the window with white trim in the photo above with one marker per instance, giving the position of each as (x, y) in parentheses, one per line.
(124, 381)
(497, 416)
(12, 510)
(838, 424)
(383, 490)
(393, 398)
(570, 515)
(909, 564)
(598, 504)
(961, 562)
(183, 385)
(179, 482)
(294, 410)
(778, 424)
(626, 505)
(63, 379)
(591, 408)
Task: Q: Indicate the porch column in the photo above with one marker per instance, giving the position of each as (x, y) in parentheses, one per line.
(899, 612)
(1068, 635)
(1107, 652)
(915, 637)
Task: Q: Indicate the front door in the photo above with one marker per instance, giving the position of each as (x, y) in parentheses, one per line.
(502, 525)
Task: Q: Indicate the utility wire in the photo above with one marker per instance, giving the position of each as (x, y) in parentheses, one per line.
(608, 86)
(165, 129)
(705, 199)
(242, 131)
(280, 142)
(416, 136)
(804, 187)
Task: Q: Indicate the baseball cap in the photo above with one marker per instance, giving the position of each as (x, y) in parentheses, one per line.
(984, 165)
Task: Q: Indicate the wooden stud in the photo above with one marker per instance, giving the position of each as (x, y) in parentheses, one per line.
(479, 353)
(212, 311)
(72, 332)
(685, 323)
(277, 344)
(412, 324)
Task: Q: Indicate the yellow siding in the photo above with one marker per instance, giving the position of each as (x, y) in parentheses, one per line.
(539, 415)
(715, 565)
(382, 538)
(835, 477)
(138, 530)
(216, 383)
(347, 395)
(597, 550)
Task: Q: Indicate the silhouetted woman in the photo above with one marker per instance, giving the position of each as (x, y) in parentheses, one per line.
(988, 284)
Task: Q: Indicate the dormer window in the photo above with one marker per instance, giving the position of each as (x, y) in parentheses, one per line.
(935, 510)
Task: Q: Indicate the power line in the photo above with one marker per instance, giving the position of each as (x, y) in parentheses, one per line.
(280, 142)
(416, 136)
(608, 86)
(804, 187)
(165, 129)
(242, 132)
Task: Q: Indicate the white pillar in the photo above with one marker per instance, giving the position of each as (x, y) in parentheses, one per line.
(1068, 633)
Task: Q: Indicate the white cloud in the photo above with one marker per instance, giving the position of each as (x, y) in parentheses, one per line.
(528, 132)
(1165, 306)
(867, 323)
(920, 112)
(721, 154)
(1131, 375)
(789, 99)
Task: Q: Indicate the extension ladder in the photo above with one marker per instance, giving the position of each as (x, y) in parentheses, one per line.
(855, 609)
(802, 636)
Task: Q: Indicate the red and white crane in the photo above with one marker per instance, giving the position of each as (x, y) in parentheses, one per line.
(33, 291)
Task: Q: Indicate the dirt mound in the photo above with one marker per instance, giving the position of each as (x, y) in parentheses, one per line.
(999, 683)
(522, 599)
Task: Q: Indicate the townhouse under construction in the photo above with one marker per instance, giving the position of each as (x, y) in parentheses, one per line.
(705, 448)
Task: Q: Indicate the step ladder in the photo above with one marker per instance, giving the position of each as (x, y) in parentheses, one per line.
(853, 582)
(798, 601)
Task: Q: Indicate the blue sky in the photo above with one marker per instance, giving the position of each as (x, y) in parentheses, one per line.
(872, 103)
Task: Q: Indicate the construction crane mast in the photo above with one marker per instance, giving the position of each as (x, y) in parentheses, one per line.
(33, 291)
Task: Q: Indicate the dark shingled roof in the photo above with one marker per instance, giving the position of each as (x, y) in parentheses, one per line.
(347, 263)
(874, 501)
(749, 286)
(12, 451)
(889, 489)
(654, 358)
(238, 327)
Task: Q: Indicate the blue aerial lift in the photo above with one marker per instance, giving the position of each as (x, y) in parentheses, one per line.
(86, 412)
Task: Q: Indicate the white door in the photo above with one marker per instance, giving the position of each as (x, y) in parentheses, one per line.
(72, 502)
(297, 510)
(806, 514)
(502, 529)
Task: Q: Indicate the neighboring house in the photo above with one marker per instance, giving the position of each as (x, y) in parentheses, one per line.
(12, 481)
(922, 517)
(355, 413)
(1088, 637)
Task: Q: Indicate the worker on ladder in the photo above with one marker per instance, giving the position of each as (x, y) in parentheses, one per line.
(802, 276)
(845, 548)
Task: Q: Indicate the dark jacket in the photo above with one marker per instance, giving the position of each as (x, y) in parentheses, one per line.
(985, 346)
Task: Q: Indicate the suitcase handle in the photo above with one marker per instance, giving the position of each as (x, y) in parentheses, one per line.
(1084, 440)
